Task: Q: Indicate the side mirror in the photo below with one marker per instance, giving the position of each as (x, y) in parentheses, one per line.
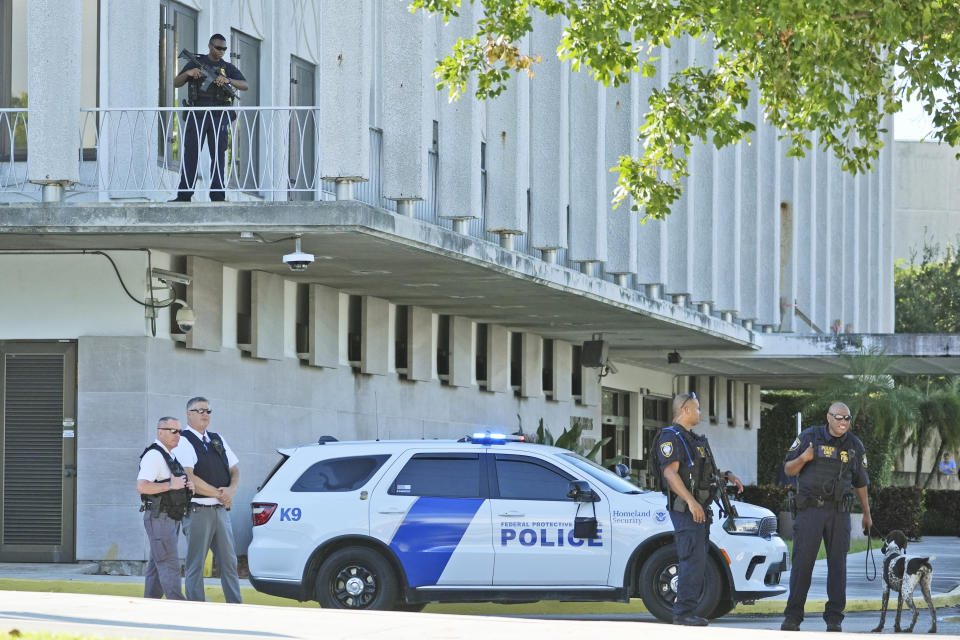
(580, 491)
(622, 470)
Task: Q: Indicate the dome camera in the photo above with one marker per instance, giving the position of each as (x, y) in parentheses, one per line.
(186, 318)
(298, 260)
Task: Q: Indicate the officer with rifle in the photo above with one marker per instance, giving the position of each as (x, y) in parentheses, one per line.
(691, 482)
(214, 82)
(165, 495)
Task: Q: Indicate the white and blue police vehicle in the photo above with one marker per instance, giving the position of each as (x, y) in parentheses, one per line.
(398, 524)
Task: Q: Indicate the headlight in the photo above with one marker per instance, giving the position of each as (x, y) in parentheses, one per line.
(741, 526)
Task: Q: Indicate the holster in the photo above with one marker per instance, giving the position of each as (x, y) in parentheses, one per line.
(153, 506)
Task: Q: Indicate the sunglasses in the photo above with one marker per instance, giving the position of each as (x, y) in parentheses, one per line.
(170, 429)
(693, 396)
(841, 417)
(219, 48)
(201, 411)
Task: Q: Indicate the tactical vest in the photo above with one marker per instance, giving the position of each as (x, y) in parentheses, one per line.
(211, 466)
(699, 472)
(174, 501)
(829, 476)
(214, 96)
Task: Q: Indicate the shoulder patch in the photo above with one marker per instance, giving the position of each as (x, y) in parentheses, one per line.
(864, 459)
(796, 443)
(666, 449)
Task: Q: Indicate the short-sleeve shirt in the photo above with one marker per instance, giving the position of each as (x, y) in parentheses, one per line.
(153, 468)
(948, 466)
(671, 447)
(847, 449)
(187, 457)
(226, 69)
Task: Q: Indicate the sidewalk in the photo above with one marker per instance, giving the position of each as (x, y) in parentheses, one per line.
(862, 594)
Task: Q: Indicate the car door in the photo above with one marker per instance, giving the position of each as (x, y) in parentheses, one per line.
(431, 509)
(533, 526)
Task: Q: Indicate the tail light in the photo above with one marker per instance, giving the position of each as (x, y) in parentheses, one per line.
(262, 512)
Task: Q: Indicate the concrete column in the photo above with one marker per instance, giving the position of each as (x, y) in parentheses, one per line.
(768, 185)
(498, 358)
(549, 142)
(374, 328)
(755, 406)
(461, 351)
(651, 236)
(789, 192)
(421, 345)
(345, 69)
(749, 231)
(562, 371)
(590, 387)
(703, 395)
(588, 182)
(407, 130)
(508, 167)
(833, 257)
(266, 315)
(886, 209)
(53, 86)
(805, 247)
(324, 326)
(531, 366)
(821, 236)
(205, 297)
(619, 133)
(849, 252)
(721, 400)
(727, 190)
(681, 239)
(459, 192)
(704, 217)
(738, 417)
(864, 240)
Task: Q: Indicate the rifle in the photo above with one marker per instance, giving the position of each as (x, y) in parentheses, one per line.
(210, 71)
(721, 484)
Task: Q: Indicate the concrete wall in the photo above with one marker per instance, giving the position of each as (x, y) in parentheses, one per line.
(926, 197)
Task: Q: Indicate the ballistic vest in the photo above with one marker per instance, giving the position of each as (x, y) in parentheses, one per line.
(829, 475)
(698, 472)
(173, 502)
(211, 466)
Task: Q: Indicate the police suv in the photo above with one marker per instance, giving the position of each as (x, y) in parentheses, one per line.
(398, 524)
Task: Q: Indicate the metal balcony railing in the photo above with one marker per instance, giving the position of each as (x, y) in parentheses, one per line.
(13, 154)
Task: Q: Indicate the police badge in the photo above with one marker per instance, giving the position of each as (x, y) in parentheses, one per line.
(844, 457)
(666, 449)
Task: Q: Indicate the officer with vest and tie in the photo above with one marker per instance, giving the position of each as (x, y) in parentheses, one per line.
(211, 465)
(689, 480)
(831, 464)
(164, 493)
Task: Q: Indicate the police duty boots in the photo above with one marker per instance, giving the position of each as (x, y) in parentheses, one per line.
(691, 621)
(790, 625)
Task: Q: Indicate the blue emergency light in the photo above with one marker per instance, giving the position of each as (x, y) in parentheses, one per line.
(492, 437)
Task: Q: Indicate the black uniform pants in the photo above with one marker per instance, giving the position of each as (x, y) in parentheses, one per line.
(204, 127)
(809, 528)
(692, 540)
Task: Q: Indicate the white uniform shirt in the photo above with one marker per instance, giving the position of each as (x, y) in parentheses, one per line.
(187, 456)
(153, 468)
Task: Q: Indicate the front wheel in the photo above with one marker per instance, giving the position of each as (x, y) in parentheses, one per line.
(356, 578)
(658, 585)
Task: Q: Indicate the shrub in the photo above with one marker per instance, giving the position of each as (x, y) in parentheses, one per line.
(766, 495)
(897, 508)
(941, 516)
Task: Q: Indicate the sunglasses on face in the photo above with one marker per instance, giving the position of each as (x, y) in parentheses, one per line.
(841, 417)
(201, 411)
(171, 430)
(221, 49)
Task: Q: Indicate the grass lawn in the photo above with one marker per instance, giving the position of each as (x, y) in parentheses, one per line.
(856, 546)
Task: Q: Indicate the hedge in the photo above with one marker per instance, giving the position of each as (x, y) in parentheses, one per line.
(897, 508)
(941, 516)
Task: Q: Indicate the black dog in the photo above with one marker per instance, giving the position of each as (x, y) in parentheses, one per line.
(903, 574)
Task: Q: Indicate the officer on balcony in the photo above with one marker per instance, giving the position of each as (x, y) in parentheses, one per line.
(203, 125)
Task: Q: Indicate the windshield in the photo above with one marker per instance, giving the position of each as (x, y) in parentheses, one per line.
(605, 476)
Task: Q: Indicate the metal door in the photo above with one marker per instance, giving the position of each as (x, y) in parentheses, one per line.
(38, 392)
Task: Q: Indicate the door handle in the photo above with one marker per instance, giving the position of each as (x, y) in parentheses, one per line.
(392, 511)
(511, 514)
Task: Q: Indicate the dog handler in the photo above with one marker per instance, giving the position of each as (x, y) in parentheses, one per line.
(832, 466)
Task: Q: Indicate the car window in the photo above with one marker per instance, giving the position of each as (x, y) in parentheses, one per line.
(338, 474)
(605, 476)
(445, 475)
(523, 478)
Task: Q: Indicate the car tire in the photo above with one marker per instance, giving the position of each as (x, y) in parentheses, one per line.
(414, 607)
(658, 583)
(356, 578)
(723, 608)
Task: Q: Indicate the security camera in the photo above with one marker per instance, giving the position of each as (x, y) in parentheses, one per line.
(298, 260)
(170, 276)
(186, 318)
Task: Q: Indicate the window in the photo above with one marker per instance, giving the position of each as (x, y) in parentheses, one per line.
(522, 478)
(443, 347)
(713, 398)
(516, 361)
(730, 398)
(443, 475)
(481, 355)
(576, 377)
(746, 406)
(401, 340)
(548, 367)
(354, 331)
(178, 31)
(338, 474)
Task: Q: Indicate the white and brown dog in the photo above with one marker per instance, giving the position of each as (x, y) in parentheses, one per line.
(903, 574)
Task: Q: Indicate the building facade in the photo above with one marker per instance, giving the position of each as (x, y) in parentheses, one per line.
(464, 252)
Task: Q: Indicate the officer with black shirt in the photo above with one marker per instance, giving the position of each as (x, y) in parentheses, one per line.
(210, 126)
(831, 464)
(212, 466)
(164, 492)
(689, 473)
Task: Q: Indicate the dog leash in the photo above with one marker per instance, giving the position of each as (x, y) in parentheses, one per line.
(869, 557)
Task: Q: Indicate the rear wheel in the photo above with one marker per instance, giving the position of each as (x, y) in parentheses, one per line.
(658, 584)
(356, 578)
